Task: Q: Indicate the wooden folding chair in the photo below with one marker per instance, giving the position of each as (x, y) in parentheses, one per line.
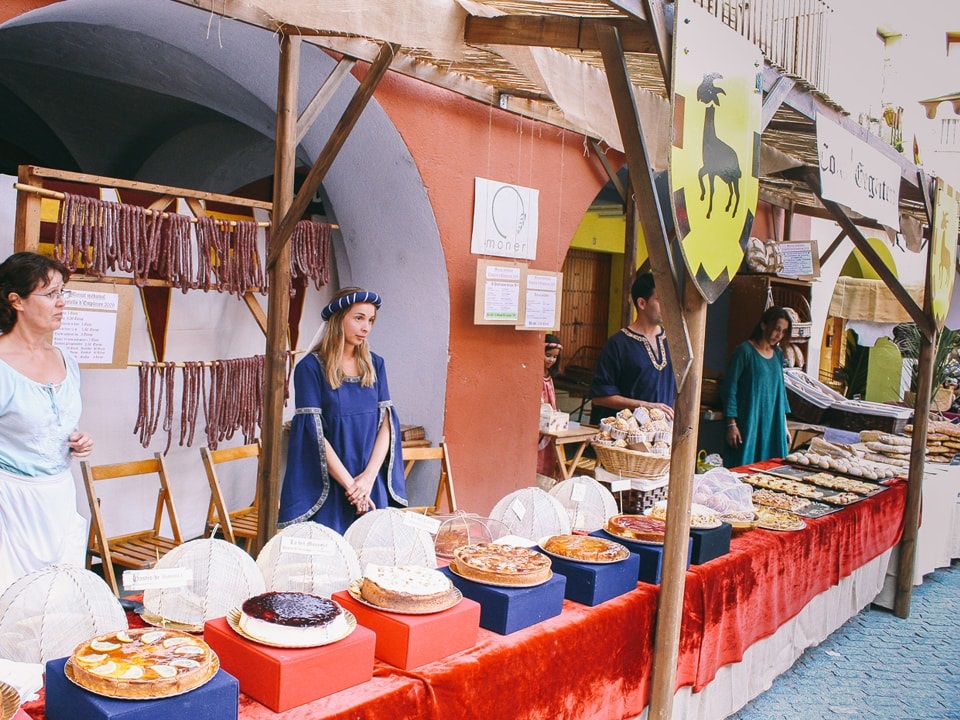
(234, 524)
(137, 550)
(413, 455)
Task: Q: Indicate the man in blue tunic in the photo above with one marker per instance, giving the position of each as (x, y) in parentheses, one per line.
(634, 368)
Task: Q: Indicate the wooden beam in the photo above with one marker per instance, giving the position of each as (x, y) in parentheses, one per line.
(633, 8)
(791, 127)
(323, 95)
(554, 31)
(629, 256)
(922, 320)
(278, 300)
(103, 181)
(330, 151)
(26, 228)
(774, 99)
(833, 247)
(925, 194)
(662, 37)
(645, 196)
(611, 173)
(253, 305)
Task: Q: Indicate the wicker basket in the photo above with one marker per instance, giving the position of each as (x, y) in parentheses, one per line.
(631, 463)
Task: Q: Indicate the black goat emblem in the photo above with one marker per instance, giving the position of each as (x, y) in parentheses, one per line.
(719, 159)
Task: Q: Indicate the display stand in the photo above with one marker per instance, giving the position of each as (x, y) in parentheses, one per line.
(595, 583)
(506, 610)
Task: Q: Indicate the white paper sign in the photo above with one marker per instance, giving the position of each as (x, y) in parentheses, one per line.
(157, 579)
(501, 293)
(578, 493)
(89, 326)
(422, 522)
(306, 546)
(856, 175)
(505, 220)
(518, 509)
(621, 485)
(797, 259)
(540, 309)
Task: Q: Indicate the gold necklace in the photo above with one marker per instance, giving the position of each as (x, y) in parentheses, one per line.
(662, 350)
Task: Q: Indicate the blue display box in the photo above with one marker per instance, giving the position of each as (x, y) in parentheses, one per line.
(710, 544)
(218, 699)
(505, 610)
(594, 583)
(650, 554)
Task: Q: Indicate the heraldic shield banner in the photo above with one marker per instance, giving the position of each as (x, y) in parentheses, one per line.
(715, 154)
(943, 249)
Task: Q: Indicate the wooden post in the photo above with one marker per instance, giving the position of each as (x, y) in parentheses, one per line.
(629, 255)
(683, 461)
(278, 301)
(26, 232)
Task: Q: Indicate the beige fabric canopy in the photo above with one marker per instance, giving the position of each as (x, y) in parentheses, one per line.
(870, 301)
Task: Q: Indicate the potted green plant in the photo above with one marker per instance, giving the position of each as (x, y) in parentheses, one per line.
(907, 338)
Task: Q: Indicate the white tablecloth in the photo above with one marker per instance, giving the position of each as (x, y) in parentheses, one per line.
(938, 539)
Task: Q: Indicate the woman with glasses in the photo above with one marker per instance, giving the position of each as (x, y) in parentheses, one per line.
(344, 457)
(39, 411)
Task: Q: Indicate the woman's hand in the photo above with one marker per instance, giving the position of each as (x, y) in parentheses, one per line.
(733, 436)
(666, 409)
(359, 492)
(80, 444)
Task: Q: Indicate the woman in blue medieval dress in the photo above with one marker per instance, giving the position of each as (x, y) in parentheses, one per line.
(344, 456)
(754, 396)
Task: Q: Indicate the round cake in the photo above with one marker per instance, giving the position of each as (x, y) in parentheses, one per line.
(497, 564)
(637, 527)
(585, 548)
(142, 664)
(293, 618)
(408, 588)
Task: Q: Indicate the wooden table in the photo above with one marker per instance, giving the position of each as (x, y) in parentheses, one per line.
(580, 436)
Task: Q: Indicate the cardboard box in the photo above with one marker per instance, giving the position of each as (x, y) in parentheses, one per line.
(553, 420)
(218, 699)
(710, 544)
(284, 678)
(594, 583)
(651, 557)
(505, 610)
(409, 641)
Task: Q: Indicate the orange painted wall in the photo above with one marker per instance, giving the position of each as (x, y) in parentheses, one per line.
(493, 382)
(11, 8)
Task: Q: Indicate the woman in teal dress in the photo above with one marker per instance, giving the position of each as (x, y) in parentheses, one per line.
(754, 396)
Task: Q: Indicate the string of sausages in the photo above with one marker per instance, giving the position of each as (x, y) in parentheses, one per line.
(229, 391)
(209, 253)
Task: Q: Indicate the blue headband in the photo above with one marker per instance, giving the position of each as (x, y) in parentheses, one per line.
(342, 303)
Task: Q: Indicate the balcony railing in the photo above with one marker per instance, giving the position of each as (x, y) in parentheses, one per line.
(793, 34)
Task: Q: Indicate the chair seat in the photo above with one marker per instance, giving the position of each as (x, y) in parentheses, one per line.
(245, 522)
(141, 552)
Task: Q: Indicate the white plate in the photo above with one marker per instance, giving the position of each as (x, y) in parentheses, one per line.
(68, 671)
(233, 620)
(354, 592)
(496, 584)
(9, 701)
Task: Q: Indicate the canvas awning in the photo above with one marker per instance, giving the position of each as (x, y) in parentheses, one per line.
(860, 299)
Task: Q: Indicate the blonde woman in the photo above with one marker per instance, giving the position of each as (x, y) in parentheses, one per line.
(344, 457)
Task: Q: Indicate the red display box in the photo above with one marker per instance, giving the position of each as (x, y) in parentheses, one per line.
(284, 678)
(409, 641)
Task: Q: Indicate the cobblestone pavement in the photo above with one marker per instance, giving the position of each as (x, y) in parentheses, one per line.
(877, 666)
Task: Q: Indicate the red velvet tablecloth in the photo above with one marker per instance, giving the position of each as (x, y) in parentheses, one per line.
(596, 662)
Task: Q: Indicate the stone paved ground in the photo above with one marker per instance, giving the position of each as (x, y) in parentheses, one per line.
(878, 667)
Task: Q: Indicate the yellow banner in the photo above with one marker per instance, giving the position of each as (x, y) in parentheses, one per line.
(715, 154)
(943, 249)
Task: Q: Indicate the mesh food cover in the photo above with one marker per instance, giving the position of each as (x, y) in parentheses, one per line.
(223, 576)
(588, 503)
(308, 557)
(463, 528)
(46, 614)
(532, 513)
(386, 537)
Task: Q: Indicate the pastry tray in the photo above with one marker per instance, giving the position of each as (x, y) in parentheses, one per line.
(452, 568)
(215, 668)
(354, 591)
(655, 543)
(233, 620)
(581, 560)
(802, 473)
(815, 509)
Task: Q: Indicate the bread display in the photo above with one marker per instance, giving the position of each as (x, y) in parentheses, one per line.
(497, 564)
(773, 519)
(293, 619)
(406, 588)
(701, 517)
(637, 527)
(142, 664)
(584, 548)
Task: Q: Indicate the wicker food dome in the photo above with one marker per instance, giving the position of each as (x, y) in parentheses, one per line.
(588, 503)
(310, 558)
(223, 577)
(44, 615)
(532, 513)
(383, 537)
(462, 528)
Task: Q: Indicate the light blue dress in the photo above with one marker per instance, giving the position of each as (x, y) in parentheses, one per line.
(754, 394)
